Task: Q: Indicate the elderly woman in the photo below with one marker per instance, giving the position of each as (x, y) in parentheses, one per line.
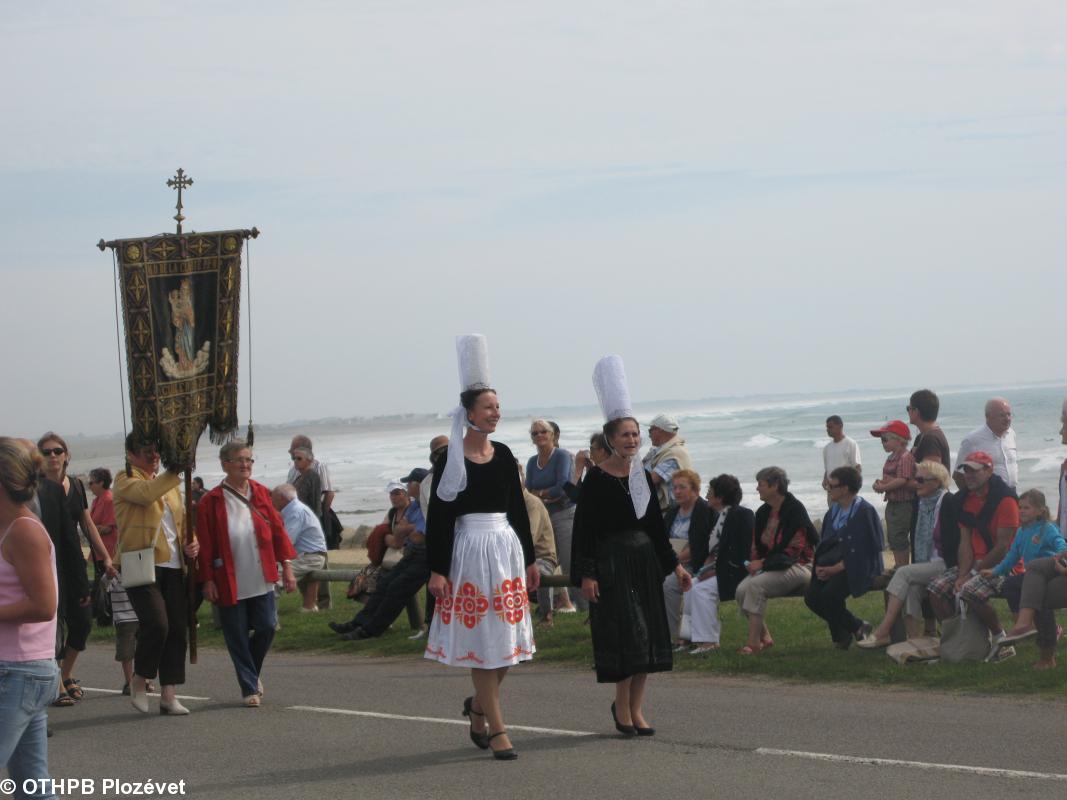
(782, 552)
(847, 559)
(722, 567)
(548, 472)
(77, 616)
(150, 515)
(688, 523)
(29, 678)
(937, 541)
(242, 539)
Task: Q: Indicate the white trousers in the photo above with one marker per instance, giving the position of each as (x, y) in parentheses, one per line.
(702, 606)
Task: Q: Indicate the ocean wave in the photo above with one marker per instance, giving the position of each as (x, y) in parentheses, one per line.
(762, 440)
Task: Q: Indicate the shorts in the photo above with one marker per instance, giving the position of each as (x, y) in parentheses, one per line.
(305, 563)
(125, 640)
(977, 590)
(898, 524)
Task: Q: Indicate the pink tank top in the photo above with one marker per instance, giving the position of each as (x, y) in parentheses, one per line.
(25, 641)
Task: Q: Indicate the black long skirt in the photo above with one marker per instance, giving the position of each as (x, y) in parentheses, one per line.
(629, 622)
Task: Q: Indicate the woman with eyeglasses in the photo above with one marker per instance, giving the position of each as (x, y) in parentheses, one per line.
(242, 541)
(151, 515)
(937, 541)
(78, 617)
(847, 558)
(547, 473)
(29, 593)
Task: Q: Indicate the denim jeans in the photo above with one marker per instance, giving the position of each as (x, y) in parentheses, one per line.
(26, 690)
(258, 616)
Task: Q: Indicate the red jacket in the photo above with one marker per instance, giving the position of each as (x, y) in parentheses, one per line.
(213, 533)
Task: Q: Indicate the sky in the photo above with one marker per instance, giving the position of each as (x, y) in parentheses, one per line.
(737, 197)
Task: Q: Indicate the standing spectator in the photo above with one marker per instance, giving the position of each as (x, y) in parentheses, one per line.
(150, 514)
(102, 510)
(840, 451)
(56, 456)
(198, 490)
(896, 484)
(307, 482)
(547, 472)
(328, 494)
(847, 559)
(930, 443)
(997, 438)
(782, 552)
(1062, 514)
(305, 533)
(723, 567)
(544, 542)
(28, 603)
(243, 540)
(989, 518)
(667, 454)
(688, 523)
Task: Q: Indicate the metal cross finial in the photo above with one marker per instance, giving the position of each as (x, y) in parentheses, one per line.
(180, 181)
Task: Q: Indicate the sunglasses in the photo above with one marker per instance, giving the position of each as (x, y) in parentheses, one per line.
(538, 433)
(53, 451)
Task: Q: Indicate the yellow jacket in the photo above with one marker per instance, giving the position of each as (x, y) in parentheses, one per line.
(139, 511)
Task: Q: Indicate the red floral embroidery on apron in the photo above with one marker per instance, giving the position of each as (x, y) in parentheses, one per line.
(468, 605)
(510, 601)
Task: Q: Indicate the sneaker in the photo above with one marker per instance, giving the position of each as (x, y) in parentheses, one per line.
(418, 634)
(679, 647)
(1003, 654)
(341, 627)
(864, 630)
(566, 610)
(355, 635)
(312, 610)
(995, 641)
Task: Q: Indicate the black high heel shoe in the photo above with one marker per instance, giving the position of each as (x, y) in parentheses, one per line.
(480, 739)
(628, 731)
(502, 755)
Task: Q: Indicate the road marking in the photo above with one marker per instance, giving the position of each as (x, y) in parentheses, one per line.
(150, 694)
(892, 762)
(379, 715)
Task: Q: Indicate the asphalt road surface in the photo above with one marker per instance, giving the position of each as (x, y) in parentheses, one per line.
(338, 727)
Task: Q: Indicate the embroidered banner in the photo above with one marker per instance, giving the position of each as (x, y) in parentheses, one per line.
(181, 302)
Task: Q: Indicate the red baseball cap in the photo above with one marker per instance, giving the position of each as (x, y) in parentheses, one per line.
(977, 460)
(896, 427)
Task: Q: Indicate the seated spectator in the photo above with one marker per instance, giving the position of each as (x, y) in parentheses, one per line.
(1044, 589)
(1038, 537)
(937, 541)
(688, 522)
(728, 547)
(544, 549)
(782, 550)
(401, 582)
(847, 559)
(305, 532)
(988, 517)
(896, 484)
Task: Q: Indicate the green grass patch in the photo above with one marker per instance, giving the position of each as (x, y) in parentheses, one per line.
(802, 652)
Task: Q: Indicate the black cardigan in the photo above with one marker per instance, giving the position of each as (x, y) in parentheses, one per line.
(735, 547)
(71, 573)
(700, 524)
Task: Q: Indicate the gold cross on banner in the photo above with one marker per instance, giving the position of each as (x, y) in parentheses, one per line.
(180, 181)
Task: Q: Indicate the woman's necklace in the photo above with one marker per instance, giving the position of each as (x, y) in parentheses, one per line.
(623, 482)
(547, 459)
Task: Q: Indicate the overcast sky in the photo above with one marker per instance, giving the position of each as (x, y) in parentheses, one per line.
(737, 197)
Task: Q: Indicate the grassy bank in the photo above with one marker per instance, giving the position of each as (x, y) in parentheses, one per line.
(802, 651)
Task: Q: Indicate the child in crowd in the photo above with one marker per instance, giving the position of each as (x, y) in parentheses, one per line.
(1037, 537)
(895, 483)
(125, 619)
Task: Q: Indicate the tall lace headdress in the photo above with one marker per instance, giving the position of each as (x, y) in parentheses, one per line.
(472, 353)
(613, 394)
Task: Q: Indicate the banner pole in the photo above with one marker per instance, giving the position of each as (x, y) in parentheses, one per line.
(191, 567)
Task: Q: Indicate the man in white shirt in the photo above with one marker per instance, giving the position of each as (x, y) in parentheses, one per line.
(997, 438)
(840, 451)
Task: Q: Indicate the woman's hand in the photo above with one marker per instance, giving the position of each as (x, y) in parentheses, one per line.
(754, 566)
(591, 589)
(533, 578)
(109, 568)
(438, 585)
(986, 573)
(211, 592)
(1057, 562)
(685, 580)
(192, 548)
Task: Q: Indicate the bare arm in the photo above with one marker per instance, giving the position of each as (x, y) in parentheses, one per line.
(28, 549)
(327, 500)
(1005, 536)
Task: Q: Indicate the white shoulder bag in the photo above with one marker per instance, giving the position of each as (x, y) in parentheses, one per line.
(138, 567)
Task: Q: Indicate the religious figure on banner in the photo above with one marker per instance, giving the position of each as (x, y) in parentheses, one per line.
(189, 362)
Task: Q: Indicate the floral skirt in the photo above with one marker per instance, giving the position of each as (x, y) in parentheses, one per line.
(483, 621)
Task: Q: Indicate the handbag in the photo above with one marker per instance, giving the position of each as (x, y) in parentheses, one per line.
(964, 639)
(139, 566)
(829, 552)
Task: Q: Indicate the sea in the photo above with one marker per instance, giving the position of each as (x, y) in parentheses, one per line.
(736, 435)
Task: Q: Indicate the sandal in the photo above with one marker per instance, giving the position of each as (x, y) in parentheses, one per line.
(63, 701)
(766, 644)
(748, 650)
(73, 690)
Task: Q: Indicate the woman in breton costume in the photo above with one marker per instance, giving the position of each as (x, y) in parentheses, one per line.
(621, 555)
(481, 553)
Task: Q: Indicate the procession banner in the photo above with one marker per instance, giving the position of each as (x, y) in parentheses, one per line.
(181, 302)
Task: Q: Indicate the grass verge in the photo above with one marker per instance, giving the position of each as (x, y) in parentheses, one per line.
(802, 653)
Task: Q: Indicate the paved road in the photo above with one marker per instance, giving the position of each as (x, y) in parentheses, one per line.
(716, 737)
